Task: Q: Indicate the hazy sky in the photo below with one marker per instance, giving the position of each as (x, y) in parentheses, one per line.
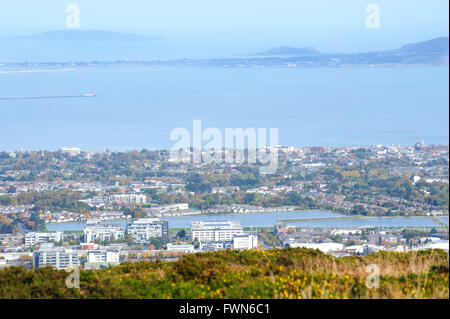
(328, 25)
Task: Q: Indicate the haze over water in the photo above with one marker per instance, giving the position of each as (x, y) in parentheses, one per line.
(138, 107)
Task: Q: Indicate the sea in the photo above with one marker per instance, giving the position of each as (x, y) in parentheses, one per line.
(139, 107)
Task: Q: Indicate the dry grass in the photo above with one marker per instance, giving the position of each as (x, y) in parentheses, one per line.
(286, 273)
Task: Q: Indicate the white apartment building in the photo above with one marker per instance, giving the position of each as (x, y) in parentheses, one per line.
(103, 256)
(239, 241)
(215, 231)
(215, 245)
(101, 232)
(58, 258)
(143, 229)
(34, 238)
(245, 241)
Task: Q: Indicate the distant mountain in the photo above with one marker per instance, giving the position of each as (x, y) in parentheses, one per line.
(88, 36)
(430, 52)
(285, 50)
(437, 45)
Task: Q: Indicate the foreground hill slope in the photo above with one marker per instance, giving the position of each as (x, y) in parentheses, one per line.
(286, 273)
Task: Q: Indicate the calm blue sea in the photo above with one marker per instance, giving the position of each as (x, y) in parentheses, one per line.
(138, 107)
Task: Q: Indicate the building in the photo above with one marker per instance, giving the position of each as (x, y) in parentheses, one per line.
(34, 238)
(283, 228)
(388, 240)
(436, 244)
(215, 231)
(123, 198)
(171, 207)
(222, 235)
(101, 232)
(324, 247)
(215, 245)
(12, 257)
(97, 259)
(11, 240)
(180, 248)
(245, 241)
(128, 198)
(72, 151)
(58, 258)
(89, 246)
(363, 249)
(143, 229)
(103, 256)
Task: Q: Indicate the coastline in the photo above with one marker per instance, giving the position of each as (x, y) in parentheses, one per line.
(153, 64)
(186, 216)
(35, 71)
(357, 217)
(324, 219)
(206, 215)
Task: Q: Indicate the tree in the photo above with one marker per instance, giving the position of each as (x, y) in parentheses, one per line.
(363, 235)
(250, 198)
(196, 243)
(157, 242)
(135, 212)
(11, 190)
(197, 184)
(181, 234)
(359, 210)
(36, 222)
(338, 238)
(24, 258)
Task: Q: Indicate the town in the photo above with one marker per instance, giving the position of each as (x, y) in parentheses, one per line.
(112, 207)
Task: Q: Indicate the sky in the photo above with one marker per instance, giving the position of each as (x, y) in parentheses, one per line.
(327, 25)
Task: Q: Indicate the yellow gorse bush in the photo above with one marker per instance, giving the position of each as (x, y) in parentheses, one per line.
(279, 273)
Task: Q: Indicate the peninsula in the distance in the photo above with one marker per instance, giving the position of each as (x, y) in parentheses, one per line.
(431, 52)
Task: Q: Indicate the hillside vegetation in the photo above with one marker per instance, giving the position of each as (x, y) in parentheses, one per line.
(285, 273)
